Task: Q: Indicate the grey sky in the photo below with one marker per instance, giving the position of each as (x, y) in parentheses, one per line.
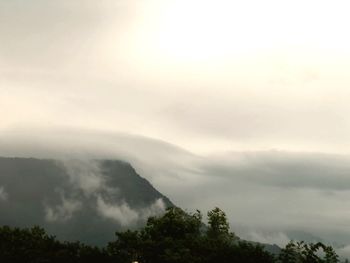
(96, 65)
(247, 110)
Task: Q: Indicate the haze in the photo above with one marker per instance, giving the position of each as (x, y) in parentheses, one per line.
(209, 82)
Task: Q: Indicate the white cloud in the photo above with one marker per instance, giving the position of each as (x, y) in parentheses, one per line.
(157, 208)
(85, 175)
(122, 213)
(3, 194)
(274, 190)
(344, 252)
(63, 211)
(98, 65)
(125, 215)
(87, 72)
(278, 238)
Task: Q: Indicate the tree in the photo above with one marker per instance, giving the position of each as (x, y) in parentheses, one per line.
(300, 252)
(180, 237)
(127, 247)
(217, 224)
(174, 237)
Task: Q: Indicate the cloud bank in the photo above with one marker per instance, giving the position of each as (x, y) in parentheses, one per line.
(96, 66)
(270, 192)
(121, 80)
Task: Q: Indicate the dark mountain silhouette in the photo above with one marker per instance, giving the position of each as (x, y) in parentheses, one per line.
(86, 200)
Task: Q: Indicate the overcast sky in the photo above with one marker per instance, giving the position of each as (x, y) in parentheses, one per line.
(201, 79)
(202, 75)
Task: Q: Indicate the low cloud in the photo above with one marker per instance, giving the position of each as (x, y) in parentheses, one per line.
(122, 213)
(160, 162)
(83, 64)
(266, 191)
(285, 169)
(157, 208)
(344, 252)
(273, 192)
(126, 216)
(63, 211)
(84, 175)
(278, 238)
(3, 194)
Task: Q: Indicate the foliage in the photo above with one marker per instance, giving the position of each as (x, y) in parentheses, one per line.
(36, 246)
(217, 223)
(175, 237)
(300, 252)
(178, 236)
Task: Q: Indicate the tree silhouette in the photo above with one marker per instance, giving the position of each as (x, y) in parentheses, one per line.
(174, 237)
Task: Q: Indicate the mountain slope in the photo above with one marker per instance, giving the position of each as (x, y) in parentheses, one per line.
(86, 200)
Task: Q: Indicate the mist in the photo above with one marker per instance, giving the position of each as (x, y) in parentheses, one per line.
(247, 111)
(267, 195)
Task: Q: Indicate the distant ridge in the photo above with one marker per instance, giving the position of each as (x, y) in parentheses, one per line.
(86, 200)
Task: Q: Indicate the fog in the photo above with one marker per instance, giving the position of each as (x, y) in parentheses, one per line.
(267, 195)
(247, 110)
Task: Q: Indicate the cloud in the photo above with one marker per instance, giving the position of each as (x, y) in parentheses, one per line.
(261, 192)
(126, 216)
(157, 208)
(3, 194)
(87, 65)
(75, 148)
(85, 175)
(266, 190)
(91, 76)
(286, 169)
(278, 238)
(63, 211)
(344, 252)
(123, 214)
(273, 191)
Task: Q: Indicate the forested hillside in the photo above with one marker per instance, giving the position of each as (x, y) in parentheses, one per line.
(175, 237)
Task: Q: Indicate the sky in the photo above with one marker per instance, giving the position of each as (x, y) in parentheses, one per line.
(203, 85)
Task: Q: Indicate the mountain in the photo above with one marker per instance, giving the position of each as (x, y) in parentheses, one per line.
(86, 200)
(271, 248)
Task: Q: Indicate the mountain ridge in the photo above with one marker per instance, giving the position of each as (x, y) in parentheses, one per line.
(86, 200)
